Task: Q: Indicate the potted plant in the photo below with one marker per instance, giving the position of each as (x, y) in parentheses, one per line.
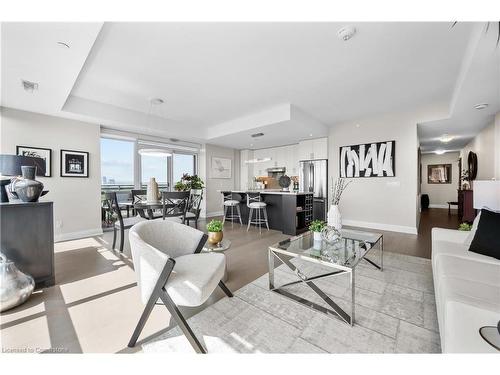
(188, 182)
(316, 227)
(214, 229)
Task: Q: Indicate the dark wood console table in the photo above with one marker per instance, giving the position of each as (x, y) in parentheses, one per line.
(27, 238)
(466, 210)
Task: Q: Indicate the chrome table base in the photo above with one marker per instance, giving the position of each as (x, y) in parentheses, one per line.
(335, 311)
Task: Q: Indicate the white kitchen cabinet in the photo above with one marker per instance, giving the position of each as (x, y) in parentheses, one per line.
(306, 150)
(279, 157)
(294, 161)
(320, 148)
(312, 149)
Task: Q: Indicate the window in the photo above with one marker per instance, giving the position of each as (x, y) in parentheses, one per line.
(183, 163)
(155, 166)
(117, 163)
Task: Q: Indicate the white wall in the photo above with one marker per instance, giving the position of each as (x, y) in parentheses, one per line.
(388, 203)
(77, 201)
(439, 194)
(485, 146)
(212, 205)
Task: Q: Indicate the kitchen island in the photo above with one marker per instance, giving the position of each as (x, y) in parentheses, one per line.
(287, 211)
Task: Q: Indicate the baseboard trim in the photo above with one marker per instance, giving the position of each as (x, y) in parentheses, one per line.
(442, 206)
(77, 235)
(381, 226)
(212, 214)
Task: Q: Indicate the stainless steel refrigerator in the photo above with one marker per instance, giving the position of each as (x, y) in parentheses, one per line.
(313, 178)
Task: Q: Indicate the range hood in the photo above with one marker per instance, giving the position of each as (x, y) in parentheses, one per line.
(276, 170)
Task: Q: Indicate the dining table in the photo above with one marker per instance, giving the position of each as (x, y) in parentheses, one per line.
(173, 207)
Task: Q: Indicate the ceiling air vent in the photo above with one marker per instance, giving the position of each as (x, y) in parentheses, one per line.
(29, 86)
(257, 135)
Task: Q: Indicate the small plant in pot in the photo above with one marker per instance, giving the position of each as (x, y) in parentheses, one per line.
(316, 227)
(214, 229)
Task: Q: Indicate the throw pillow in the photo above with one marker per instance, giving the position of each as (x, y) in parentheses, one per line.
(487, 239)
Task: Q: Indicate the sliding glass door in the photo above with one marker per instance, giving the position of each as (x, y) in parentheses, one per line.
(157, 166)
(131, 163)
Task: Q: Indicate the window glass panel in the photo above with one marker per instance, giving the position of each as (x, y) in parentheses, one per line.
(183, 163)
(154, 166)
(117, 162)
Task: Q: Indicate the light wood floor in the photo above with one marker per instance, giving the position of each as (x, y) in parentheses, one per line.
(95, 303)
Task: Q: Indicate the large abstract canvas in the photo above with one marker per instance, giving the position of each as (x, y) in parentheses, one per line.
(368, 160)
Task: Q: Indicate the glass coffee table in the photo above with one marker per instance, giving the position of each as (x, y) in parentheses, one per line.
(342, 256)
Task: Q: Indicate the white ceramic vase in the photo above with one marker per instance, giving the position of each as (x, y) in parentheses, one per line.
(334, 217)
(317, 236)
(152, 191)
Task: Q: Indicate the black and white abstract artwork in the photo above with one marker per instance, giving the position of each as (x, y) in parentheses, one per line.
(368, 160)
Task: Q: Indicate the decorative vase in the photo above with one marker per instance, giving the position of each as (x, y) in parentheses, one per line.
(317, 236)
(215, 237)
(330, 235)
(152, 191)
(334, 217)
(15, 286)
(26, 187)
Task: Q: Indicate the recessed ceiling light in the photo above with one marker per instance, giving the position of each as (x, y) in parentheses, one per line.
(346, 33)
(251, 144)
(256, 135)
(310, 135)
(157, 101)
(29, 86)
(62, 44)
(445, 138)
(481, 106)
(357, 125)
(439, 152)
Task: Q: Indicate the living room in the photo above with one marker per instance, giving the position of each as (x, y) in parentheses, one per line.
(250, 187)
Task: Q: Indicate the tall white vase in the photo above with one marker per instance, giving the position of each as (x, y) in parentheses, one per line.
(152, 191)
(334, 217)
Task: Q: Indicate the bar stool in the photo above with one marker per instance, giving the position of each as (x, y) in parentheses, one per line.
(229, 204)
(254, 202)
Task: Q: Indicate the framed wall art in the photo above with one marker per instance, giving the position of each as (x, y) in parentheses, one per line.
(376, 159)
(38, 152)
(439, 174)
(74, 163)
(220, 167)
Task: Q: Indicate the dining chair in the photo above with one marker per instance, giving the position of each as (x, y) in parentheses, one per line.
(169, 267)
(174, 203)
(121, 223)
(192, 211)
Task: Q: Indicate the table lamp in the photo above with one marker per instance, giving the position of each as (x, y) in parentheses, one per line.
(10, 165)
(487, 194)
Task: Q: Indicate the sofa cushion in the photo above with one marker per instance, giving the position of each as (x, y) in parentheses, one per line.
(456, 249)
(487, 237)
(468, 269)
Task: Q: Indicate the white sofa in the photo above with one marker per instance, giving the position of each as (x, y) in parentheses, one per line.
(467, 289)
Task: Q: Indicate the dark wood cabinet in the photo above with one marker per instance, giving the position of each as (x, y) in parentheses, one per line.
(466, 212)
(27, 238)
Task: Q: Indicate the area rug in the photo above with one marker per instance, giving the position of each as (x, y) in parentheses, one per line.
(395, 312)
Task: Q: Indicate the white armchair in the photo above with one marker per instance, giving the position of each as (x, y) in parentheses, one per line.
(168, 266)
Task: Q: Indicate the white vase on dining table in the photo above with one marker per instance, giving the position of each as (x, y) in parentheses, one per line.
(152, 191)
